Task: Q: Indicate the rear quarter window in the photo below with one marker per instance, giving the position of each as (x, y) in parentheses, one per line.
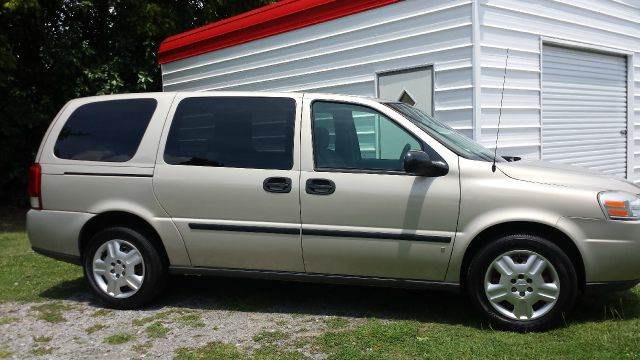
(108, 131)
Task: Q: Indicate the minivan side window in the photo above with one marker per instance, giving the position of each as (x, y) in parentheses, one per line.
(105, 131)
(238, 132)
(348, 136)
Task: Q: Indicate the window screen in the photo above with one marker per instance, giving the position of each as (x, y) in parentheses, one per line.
(240, 132)
(105, 131)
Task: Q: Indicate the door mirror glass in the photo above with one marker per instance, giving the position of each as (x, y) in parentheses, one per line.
(419, 163)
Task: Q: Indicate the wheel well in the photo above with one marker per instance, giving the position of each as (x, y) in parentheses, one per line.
(550, 233)
(120, 218)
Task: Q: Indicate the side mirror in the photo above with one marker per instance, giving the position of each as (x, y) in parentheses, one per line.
(419, 163)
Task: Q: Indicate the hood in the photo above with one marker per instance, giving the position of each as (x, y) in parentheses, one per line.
(565, 175)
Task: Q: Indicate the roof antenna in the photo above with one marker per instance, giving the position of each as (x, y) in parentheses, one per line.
(504, 79)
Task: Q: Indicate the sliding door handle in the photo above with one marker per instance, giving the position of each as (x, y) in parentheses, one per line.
(320, 187)
(277, 185)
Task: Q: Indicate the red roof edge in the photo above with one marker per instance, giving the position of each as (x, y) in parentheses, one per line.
(269, 20)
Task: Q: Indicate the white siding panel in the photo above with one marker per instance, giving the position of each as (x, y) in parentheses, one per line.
(494, 58)
(534, 24)
(510, 118)
(453, 78)
(457, 98)
(607, 7)
(512, 98)
(456, 118)
(359, 88)
(492, 78)
(506, 39)
(546, 9)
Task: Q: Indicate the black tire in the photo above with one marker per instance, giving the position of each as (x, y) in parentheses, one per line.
(155, 268)
(475, 281)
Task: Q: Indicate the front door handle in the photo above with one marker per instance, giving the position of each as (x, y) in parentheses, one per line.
(320, 187)
(623, 132)
(277, 185)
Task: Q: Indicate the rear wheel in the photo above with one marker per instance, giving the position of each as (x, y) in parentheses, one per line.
(123, 267)
(522, 282)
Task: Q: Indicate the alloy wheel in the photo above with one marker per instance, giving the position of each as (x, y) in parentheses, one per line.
(522, 285)
(118, 268)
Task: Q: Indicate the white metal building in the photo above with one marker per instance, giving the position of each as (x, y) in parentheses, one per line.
(573, 75)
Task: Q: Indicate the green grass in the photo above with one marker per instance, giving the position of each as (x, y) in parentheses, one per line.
(159, 316)
(268, 336)
(41, 350)
(335, 323)
(52, 312)
(27, 276)
(157, 330)
(193, 320)
(42, 339)
(414, 340)
(211, 351)
(4, 353)
(94, 328)
(142, 348)
(118, 338)
(222, 351)
(4, 320)
(102, 312)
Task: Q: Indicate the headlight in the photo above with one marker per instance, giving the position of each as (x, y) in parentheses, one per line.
(618, 205)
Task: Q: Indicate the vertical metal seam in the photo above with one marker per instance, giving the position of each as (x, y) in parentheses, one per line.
(476, 70)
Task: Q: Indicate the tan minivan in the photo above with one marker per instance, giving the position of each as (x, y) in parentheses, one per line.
(321, 188)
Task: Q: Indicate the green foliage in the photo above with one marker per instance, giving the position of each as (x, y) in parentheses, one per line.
(54, 50)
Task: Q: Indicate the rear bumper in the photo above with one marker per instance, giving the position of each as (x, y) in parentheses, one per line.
(56, 232)
(72, 259)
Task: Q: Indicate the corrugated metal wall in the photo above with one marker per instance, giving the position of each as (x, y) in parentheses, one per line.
(520, 25)
(344, 55)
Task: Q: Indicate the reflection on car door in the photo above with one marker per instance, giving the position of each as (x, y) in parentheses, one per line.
(228, 177)
(361, 214)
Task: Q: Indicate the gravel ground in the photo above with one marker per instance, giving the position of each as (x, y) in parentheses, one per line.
(71, 338)
(192, 313)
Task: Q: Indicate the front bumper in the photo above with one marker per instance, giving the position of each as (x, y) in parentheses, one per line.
(610, 249)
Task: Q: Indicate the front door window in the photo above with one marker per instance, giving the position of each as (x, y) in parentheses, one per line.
(347, 136)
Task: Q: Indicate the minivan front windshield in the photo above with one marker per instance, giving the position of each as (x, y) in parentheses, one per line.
(444, 134)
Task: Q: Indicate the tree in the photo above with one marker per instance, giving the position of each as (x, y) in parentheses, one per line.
(55, 50)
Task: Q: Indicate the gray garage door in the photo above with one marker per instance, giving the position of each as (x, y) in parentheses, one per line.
(584, 109)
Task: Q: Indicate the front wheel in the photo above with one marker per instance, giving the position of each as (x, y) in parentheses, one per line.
(123, 267)
(522, 282)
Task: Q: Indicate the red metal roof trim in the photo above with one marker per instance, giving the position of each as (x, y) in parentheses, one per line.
(273, 19)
